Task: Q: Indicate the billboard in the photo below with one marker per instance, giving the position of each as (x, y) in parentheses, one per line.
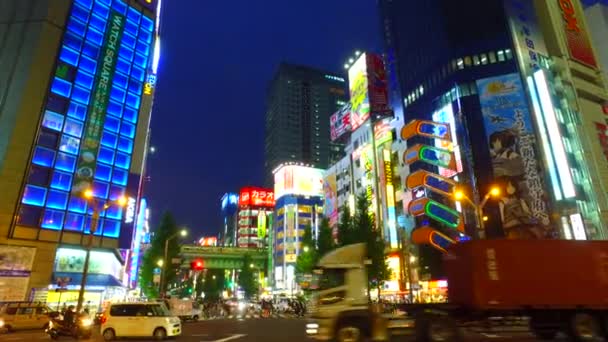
(511, 141)
(256, 197)
(298, 180)
(446, 115)
(208, 241)
(339, 122)
(368, 88)
(100, 97)
(527, 36)
(579, 44)
(330, 195)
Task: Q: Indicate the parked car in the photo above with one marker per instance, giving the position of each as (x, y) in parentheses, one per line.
(23, 315)
(139, 320)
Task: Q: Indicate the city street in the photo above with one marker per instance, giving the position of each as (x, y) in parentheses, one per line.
(267, 330)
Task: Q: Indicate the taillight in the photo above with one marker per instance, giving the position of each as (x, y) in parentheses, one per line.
(103, 319)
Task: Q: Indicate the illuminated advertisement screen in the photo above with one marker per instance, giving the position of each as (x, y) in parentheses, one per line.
(256, 197)
(298, 180)
(90, 119)
(339, 122)
(368, 88)
(330, 196)
(446, 115)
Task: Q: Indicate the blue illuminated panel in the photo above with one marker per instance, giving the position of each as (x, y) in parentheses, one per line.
(64, 118)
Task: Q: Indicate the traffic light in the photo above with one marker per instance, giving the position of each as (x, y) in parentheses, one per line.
(197, 265)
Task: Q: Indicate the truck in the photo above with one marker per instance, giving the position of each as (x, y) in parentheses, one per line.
(557, 286)
(185, 309)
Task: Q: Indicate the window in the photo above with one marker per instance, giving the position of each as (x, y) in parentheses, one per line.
(43, 156)
(34, 195)
(48, 139)
(460, 63)
(467, 61)
(476, 59)
(509, 54)
(125, 310)
(492, 57)
(29, 216)
(501, 56)
(39, 176)
(329, 278)
(484, 59)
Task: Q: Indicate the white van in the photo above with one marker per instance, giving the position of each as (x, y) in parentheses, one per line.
(23, 315)
(139, 320)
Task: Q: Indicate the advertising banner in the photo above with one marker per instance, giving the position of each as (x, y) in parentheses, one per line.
(256, 197)
(377, 84)
(516, 169)
(298, 180)
(99, 103)
(579, 43)
(72, 260)
(330, 191)
(359, 96)
(446, 115)
(16, 259)
(339, 122)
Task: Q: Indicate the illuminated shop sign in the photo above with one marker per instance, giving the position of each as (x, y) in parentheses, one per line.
(368, 88)
(446, 115)
(256, 197)
(430, 236)
(421, 178)
(437, 211)
(298, 180)
(579, 44)
(72, 261)
(390, 198)
(430, 155)
(150, 84)
(130, 212)
(428, 129)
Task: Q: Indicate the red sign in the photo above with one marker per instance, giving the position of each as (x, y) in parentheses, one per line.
(605, 108)
(256, 197)
(208, 241)
(378, 86)
(339, 122)
(576, 35)
(602, 132)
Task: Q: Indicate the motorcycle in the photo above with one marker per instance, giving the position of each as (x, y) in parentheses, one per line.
(81, 329)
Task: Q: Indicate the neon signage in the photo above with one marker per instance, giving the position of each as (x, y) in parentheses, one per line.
(578, 40)
(150, 84)
(130, 215)
(438, 212)
(430, 236)
(256, 197)
(421, 178)
(430, 155)
(428, 129)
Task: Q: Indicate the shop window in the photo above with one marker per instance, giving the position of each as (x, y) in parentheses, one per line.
(34, 195)
(29, 216)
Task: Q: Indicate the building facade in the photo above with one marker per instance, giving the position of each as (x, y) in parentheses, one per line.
(299, 103)
(493, 79)
(74, 116)
(255, 216)
(596, 12)
(299, 191)
(230, 206)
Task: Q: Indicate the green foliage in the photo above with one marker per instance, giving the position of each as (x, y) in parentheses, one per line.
(155, 252)
(345, 227)
(308, 255)
(325, 242)
(247, 279)
(213, 283)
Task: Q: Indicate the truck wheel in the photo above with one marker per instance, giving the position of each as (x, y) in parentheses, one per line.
(437, 328)
(584, 327)
(349, 332)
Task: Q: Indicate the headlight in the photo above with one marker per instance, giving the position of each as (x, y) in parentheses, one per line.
(241, 306)
(1, 323)
(86, 322)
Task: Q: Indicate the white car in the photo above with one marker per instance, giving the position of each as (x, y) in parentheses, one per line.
(139, 320)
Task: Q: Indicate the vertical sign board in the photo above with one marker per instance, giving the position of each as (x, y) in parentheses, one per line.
(377, 84)
(446, 115)
(390, 199)
(514, 160)
(339, 122)
(85, 169)
(579, 44)
(359, 96)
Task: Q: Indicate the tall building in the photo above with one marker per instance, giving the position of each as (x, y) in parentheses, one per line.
(230, 206)
(78, 81)
(255, 216)
(499, 80)
(299, 192)
(300, 101)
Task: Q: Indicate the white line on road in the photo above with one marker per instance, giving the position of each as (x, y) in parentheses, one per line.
(229, 338)
(490, 335)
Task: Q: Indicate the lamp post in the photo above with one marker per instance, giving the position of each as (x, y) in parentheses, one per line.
(98, 207)
(160, 264)
(163, 270)
(494, 192)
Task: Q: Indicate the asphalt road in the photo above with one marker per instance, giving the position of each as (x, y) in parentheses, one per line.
(252, 330)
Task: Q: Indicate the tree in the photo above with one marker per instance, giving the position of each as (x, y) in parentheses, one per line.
(213, 284)
(345, 227)
(363, 230)
(325, 241)
(155, 252)
(308, 254)
(247, 280)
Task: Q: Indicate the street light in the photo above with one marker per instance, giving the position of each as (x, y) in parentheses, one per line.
(306, 249)
(163, 270)
(159, 263)
(97, 206)
(481, 218)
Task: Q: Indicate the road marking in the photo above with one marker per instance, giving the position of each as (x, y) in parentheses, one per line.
(490, 335)
(229, 338)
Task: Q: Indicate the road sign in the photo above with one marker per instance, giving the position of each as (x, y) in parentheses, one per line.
(430, 236)
(424, 128)
(430, 155)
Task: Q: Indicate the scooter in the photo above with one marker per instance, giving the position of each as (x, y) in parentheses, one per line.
(81, 329)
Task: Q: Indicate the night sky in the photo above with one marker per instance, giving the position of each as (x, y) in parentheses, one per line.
(217, 59)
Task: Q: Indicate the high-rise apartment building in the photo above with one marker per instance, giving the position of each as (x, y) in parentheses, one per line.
(300, 101)
(76, 88)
